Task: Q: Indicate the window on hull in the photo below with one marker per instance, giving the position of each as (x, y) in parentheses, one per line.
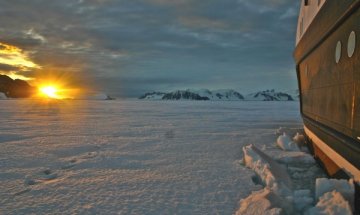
(351, 44)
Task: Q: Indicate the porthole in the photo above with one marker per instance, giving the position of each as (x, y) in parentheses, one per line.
(351, 44)
(338, 52)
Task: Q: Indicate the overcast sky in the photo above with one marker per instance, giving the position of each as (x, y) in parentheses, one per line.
(128, 47)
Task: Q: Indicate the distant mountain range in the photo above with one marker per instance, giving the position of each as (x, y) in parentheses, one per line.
(271, 95)
(17, 88)
(222, 95)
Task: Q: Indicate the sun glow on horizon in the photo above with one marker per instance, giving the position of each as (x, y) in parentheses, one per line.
(56, 90)
(56, 85)
(50, 92)
(48, 80)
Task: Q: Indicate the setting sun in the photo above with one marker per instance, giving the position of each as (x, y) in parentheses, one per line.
(49, 91)
(52, 88)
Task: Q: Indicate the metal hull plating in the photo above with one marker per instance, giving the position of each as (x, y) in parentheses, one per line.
(329, 83)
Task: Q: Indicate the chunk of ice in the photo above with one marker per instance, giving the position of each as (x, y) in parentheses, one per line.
(346, 188)
(331, 203)
(261, 202)
(285, 143)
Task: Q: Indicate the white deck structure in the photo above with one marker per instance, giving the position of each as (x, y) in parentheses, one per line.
(308, 11)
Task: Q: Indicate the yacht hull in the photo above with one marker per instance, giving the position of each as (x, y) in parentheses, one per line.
(329, 86)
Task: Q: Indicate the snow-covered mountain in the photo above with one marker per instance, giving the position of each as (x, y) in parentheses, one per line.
(184, 95)
(295, 94)
(222, 95)
(153, 96)
(189, 94)
(269, 95)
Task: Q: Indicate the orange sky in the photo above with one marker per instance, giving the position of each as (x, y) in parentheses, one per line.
(16, 58)
(18, 64)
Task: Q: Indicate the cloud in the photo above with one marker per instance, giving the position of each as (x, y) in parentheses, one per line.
(202, 22)
(172, 2)
(7, 68)
(13, 56)
(31, 33)
(123, 46)
(14, 62)
(290, 13)
(264, 6)
(20, 40)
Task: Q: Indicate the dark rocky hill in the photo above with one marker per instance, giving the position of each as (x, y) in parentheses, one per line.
(184, 95)
(15, 88)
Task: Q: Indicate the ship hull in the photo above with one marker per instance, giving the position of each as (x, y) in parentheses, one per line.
(329, 85)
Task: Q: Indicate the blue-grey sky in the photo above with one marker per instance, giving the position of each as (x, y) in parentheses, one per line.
(128, 47)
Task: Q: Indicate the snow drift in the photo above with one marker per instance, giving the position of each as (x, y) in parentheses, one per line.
(285, 143)
(280, 195)
(331, 203)
(344, 187)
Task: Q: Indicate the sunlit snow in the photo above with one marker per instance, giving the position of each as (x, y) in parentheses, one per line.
(139, 157)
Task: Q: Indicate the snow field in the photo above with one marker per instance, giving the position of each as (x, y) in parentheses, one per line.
(131, 157)
(144, 157)
(284, 186)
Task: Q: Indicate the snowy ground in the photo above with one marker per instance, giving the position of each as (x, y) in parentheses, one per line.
(291, 182)
(133, 157)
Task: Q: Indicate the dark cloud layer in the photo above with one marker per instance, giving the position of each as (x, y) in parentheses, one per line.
(7, 68)
(127, 47)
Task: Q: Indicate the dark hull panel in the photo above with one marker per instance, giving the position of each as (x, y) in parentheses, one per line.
(342, 144)
(330, 90)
